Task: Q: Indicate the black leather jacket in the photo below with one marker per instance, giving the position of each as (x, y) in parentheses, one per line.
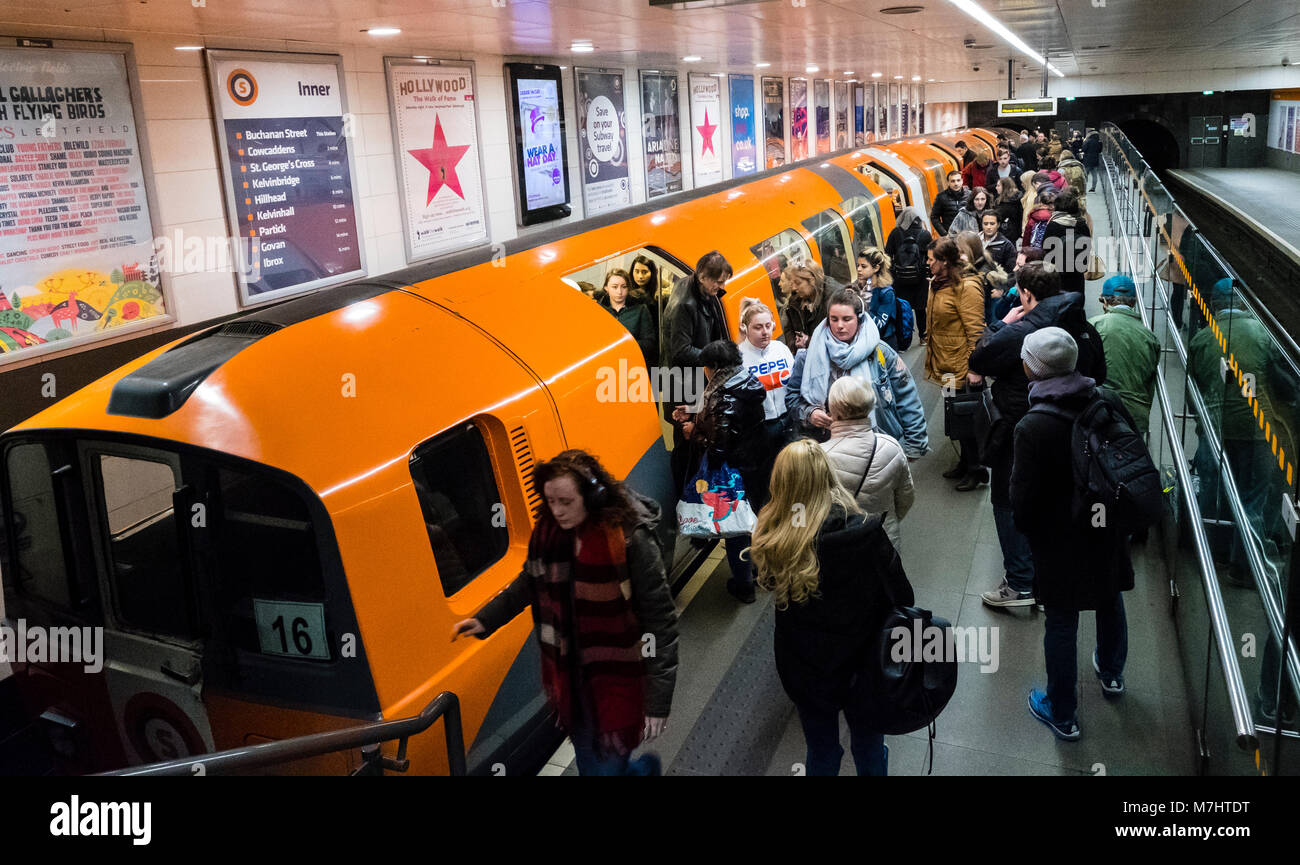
(691, 321)
(732, 420)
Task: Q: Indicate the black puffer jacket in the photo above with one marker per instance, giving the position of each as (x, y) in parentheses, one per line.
(1076, 565)
(823, 644)
(1001, 252)
(731, 422)
(1067, 245)
(945, 208)
(998, 351)
(692, 320)
(652, 602)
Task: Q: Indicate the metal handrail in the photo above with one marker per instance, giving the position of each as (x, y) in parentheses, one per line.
(1236, 686)
(367, 736)
(1271, 604)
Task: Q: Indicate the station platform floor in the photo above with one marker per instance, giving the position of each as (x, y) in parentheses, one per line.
(1261, 197)
(731, 717)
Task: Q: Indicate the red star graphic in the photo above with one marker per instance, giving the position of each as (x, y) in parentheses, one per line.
(441, 161)
(706, 131)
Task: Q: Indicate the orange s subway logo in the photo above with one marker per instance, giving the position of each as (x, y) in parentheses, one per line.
(772, 373)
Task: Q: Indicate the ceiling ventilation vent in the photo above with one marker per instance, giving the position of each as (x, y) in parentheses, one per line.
(678, 5)
(901, 10)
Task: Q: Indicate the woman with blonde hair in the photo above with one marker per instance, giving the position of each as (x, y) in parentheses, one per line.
(875, 285)
(834, 576)
(869, 463)
(806, 304)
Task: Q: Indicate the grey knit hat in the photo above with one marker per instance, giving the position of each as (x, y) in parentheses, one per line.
(1049, 352)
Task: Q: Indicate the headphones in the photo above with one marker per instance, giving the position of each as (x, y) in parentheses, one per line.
(594, 494)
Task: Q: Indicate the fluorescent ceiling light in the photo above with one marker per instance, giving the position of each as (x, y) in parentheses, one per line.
(189, 47)
(582, 46)
(762, 65)
(876, 74)
(983, 16)
(384, 31)
(811, 68)
(691, 59)
(916, 77)
(898, 78)
(849, 72)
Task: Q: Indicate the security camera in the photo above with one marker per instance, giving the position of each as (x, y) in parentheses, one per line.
(1286, 61)
(975, 69)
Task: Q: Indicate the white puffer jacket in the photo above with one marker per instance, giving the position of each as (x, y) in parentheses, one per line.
(888, 487)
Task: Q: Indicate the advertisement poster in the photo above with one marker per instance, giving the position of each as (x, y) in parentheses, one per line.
(744, 152)
(602, 141)
(842, 139)
(287, 170)
(774, 121)
(435, 129)
(541, 142)
(798, 119)
(706, 121)
(873, 112)
(76, 240)
(893, 112)
(920, 109)
(822, 113)
(945, 116)
(859, 116)
(662, 134)
(904, 112)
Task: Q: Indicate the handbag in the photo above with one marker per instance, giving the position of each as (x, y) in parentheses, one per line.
(990, 426)
(1096, 268)
(959, 411)
(714, 504)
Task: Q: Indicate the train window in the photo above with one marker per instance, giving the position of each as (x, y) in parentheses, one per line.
(37, 552)
(938, 172)
(461, 505)
(831, 235)
(888, 181)
(148, 575)
(779, 252)
(863, 213)
(268, 583)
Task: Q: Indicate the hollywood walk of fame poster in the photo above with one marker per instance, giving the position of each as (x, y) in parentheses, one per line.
(435, 134)
(706, 128)
(602, 140)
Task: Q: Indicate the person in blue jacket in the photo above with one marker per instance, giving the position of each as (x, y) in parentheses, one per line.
(848, 343)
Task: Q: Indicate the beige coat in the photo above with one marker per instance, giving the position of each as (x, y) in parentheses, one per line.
(888, 486)
(954, 323)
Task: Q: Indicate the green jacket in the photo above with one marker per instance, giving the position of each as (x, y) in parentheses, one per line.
(1259, 361)
(1132, 360)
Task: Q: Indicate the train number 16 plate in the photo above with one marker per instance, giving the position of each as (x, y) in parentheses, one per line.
(291, 628)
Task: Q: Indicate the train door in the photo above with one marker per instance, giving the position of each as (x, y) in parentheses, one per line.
(906, 175)
(831, 235)
(863, 213)
(151, 635)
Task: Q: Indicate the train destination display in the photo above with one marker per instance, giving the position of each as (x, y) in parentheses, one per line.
(285, 131)
(76, 240)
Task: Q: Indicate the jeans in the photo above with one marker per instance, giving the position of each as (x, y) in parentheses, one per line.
(821, 732)
(1017, 560)
(593, 761)
(1061, 649)
(742, 571)
(1258, 484)
(1090, 174)
(919, 297)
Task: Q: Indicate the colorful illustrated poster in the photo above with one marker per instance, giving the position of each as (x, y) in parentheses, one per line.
(920, 109)
(842, 139)
(435, 130)
(859, 116)
(602, 140)
(706, 120)
(822, 113)
(798, 119)
(744, 152)
(541, 142)
(287, 170)
(893, 111)
(873, 112)
(662, 134)
(906, 127)
(76, 241)
(774, 121)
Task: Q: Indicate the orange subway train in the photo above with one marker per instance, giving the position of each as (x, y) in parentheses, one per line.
(276, 521)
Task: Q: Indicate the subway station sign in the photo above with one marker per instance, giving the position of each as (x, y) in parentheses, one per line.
(1026, 107)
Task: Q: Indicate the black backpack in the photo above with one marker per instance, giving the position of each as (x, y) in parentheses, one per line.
(908, 259)
(905, 695)
(1114, 477)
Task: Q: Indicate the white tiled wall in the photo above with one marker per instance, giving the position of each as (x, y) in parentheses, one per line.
(1129, 83)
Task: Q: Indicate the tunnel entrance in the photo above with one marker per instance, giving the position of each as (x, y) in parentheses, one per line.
(1156, 143)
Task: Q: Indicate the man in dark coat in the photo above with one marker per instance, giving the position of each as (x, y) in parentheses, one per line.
(692, 319)
(947, 204)
(1042, 304)
(1080, 563)
(1091, 159)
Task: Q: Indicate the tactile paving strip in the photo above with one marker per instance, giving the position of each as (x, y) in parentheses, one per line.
(742, 724)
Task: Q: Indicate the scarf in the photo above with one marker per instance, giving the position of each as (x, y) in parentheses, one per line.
(851, 357)
(588, 633)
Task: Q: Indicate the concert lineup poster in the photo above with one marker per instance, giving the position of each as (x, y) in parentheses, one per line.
(287, 171)
(774, 121)
(859, 116)
(662, 133)
(841, 115)
(706, 125)
(744, 152)
(76, 239)
(602, 140)
(822, 113)
(798, 119)
(436, 132)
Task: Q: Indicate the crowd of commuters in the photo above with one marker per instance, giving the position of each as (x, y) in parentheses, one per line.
(825, 422)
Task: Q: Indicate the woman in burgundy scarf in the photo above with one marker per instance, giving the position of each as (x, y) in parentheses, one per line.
(594, 578)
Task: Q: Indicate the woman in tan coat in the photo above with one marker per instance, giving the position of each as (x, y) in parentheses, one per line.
(956, 322)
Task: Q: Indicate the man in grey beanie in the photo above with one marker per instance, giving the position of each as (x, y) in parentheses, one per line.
(1077, 566)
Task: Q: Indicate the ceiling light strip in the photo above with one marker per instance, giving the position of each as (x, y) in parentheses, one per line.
(983, 16)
